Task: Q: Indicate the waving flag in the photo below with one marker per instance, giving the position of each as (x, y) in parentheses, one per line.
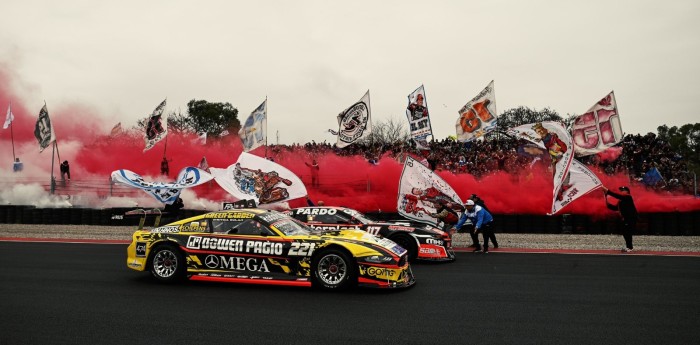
(418, 118)
(478, 116)
(9, 118)
(43, 130)
(116, 130)
(253, 177)
(422, 193)
(599, 128)
(579, 182)
(253, 134)
(155, 130)
(164, 192)
(354, 123)
(203, 164)
(570, 178)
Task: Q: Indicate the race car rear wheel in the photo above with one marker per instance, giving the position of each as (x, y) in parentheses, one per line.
(408, 243)
(333, 269)
(167, 264)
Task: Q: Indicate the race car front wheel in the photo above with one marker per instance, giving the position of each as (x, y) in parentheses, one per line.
(167, 264)
(333, 269)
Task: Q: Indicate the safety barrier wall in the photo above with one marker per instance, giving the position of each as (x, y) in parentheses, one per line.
(676, 223)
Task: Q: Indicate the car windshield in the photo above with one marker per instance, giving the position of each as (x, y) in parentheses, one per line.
(291, 227)
(359, 216)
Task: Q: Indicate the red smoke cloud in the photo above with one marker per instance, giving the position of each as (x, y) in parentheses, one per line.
(83, 139)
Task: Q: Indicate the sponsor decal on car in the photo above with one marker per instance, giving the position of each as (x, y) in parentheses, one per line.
(233, 215)
(392, 246)
(434, 241)
(168, 229)
(317, 211)
(141, 249)
(236, 263)
(401, 228)
(431, 251)
(235, 245)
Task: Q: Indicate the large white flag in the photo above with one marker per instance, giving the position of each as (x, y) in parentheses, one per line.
(164, 192)
(354, 123)
(598, 128)
(571, 179)
(155, 129)
(579, 182)
(43, 130)
(264, 181)
(418, 118)
(253, 134)
(422, 194)
(478, 116)
(552, 137)
(9, 118)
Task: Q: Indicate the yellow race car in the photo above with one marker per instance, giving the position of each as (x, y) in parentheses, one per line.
(267, 247)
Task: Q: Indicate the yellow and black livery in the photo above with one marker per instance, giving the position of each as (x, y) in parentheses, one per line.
(267, 247)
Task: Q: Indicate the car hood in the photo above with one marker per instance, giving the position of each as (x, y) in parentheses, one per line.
(363, 238)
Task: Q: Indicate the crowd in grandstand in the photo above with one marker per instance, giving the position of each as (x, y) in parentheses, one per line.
(645, 158)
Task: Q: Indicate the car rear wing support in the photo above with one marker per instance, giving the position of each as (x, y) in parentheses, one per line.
(143, 214)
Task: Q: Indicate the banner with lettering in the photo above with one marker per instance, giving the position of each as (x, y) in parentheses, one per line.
(264, 181)
(478, 116)
(598, 128)
(423, 195)
(418, 118)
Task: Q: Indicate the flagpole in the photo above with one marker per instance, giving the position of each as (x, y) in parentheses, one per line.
(265, 127)
(165, 149)
(53, 181)
(12, 136)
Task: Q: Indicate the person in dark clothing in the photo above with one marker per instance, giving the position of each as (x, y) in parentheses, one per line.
(173, 210)
(164, 167)
(65, 170)
(448, 214)
(628, 212)
(475, 237)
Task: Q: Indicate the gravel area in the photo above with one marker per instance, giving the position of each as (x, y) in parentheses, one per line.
(533, 241)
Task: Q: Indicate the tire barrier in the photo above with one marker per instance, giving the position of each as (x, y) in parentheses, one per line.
(668, 224)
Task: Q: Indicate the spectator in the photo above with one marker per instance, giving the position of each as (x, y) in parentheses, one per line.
(65, 170)
(314, 172)
(164, 167)
(17, 166)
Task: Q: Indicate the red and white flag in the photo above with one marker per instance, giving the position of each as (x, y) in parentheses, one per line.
(478, 116)
(598, 128)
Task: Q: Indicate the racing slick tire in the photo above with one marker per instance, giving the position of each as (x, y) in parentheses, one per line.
(408, 243)
(333, 269)
(167, 264)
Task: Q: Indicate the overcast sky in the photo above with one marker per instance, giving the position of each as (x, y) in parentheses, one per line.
(312, 59)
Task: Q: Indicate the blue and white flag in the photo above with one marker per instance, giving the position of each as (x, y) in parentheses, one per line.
(254, 132)
(164, 192)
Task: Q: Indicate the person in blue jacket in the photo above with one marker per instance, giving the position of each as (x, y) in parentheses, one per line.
(482, 220)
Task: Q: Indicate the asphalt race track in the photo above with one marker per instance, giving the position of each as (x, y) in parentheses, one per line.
(55, 293)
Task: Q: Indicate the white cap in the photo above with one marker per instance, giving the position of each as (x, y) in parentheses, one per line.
(469, 203)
